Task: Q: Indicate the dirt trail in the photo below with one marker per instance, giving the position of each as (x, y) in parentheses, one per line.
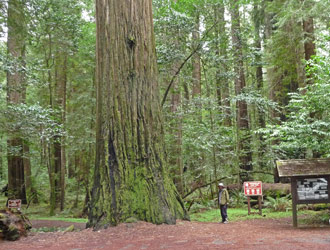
(251, 234)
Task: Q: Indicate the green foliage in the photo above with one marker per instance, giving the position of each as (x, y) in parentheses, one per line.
(279, 203)
(237, 199)
(207, 147)
(29, 121)
(237, 214)
(317, 218)
(308, 122)
(131, 220)
(254, 97)
(201, 205)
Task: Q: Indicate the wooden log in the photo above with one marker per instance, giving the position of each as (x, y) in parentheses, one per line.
(13, 225)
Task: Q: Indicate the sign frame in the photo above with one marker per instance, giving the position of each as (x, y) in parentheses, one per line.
(252, 188)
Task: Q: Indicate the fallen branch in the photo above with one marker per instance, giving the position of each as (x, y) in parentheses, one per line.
(184, 62)
(201, 186)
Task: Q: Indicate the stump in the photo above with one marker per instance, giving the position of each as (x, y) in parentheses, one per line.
(13, 225)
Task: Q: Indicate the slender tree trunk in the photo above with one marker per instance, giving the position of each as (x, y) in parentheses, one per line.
(52, 159)
(27, 170)
(196, 62)
(309, 44)
(222, 81)
(63, 156)
(1, 159)
(130, 175)
(175, 154)
(309, 38)
(259, 114)
(59, 145)
(257, 44)
(176, 148)
(243, 144)
(15, 95)
(51, 174)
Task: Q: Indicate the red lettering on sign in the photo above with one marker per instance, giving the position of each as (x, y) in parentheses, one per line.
(14, 203)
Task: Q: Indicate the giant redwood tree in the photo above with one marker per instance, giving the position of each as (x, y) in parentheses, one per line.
(130, 175)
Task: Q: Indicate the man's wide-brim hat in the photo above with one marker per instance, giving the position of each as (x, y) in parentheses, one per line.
(220, 184)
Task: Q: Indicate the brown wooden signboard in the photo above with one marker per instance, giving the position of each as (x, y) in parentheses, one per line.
(310, 180)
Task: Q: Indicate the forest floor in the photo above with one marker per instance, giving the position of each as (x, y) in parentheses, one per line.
(247, 234)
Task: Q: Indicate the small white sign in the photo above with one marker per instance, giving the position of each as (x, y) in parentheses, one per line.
(15, 203)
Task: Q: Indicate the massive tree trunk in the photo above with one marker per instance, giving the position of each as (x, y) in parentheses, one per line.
(130, 175)
(243, 137)
(16, 95)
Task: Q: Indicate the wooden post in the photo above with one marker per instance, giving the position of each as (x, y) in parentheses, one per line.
(294, 201)
(259, 203)
(249, 205)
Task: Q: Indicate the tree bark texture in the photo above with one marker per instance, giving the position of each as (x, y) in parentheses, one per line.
(175, 150)
(16, 95)
(1, 160)
(243, 144)
(309, 45)
(130, 175)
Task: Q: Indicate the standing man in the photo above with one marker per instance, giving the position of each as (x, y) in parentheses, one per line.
(223, 199)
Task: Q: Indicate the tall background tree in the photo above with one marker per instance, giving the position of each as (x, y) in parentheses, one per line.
(16, 94)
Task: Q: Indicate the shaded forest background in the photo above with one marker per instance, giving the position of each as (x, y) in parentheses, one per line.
(243, 83)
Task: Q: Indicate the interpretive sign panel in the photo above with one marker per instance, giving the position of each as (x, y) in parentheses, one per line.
(312, 189)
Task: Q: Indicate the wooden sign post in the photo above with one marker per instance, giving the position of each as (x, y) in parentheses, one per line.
(253, 188)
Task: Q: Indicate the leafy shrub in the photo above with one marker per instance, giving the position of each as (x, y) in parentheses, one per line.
(279, 203)
(237, 198)
(201, 205)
